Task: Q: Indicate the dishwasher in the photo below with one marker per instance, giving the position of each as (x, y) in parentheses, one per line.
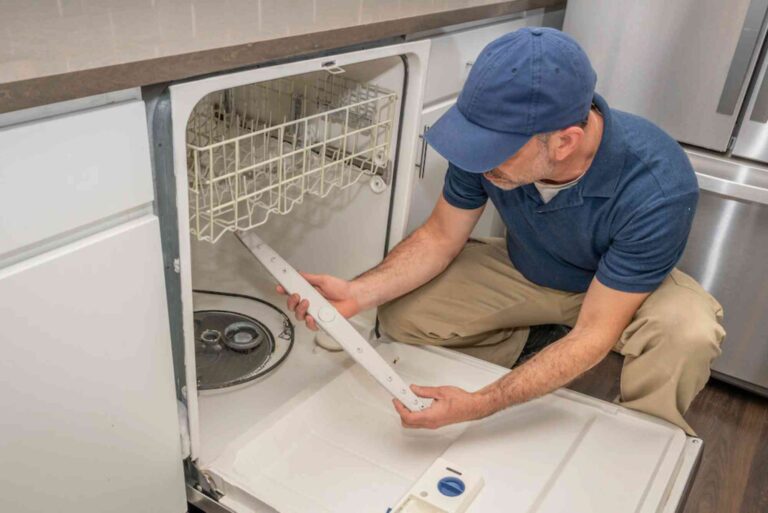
(316, 159)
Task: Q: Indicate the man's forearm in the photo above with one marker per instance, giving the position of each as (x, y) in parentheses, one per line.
(552, 368)
(413, 262)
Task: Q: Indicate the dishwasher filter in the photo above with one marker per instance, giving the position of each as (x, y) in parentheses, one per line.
(232, 348)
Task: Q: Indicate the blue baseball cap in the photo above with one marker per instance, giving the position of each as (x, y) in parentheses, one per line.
(527, 82)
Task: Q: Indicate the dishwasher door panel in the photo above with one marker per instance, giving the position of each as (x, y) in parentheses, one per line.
(727, 253)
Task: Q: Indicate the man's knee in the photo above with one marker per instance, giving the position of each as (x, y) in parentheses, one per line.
(684, 336)
(395, 318)
(389, 315)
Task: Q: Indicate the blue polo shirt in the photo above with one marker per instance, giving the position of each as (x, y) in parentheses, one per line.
(625, 222)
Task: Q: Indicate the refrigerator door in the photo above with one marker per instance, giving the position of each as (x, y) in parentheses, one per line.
(752, 140)
(727, 252)
(685, 65)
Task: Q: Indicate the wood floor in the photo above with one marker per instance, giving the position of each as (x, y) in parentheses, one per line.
(733, 476)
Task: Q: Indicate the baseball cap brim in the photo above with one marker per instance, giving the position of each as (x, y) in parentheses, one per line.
(469, 146)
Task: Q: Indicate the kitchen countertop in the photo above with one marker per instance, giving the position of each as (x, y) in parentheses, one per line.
(55, 50)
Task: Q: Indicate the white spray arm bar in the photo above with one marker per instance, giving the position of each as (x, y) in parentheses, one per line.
(328, 318)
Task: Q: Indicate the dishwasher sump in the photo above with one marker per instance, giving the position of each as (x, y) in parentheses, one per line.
(233, 348)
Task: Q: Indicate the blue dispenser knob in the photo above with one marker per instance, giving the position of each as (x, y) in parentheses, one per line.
(451, 486)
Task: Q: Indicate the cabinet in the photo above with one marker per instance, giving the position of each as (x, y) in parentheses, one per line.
(428, 185)
(89, 418)
(450, 59)
(88, 403)
(63, 173)
(453, 53)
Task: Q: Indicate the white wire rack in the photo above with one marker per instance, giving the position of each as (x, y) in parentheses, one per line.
(258, 150)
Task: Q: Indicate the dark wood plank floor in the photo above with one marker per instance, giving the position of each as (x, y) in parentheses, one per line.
(733, 476)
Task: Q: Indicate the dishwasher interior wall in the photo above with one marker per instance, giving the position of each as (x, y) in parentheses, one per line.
(338, 231)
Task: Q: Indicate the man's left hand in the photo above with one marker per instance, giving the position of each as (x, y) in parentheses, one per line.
(449, 406)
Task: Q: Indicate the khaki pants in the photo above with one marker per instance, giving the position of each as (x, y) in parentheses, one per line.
(481, 305)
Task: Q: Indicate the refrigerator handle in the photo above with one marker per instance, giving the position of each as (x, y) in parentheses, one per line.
(742, 57)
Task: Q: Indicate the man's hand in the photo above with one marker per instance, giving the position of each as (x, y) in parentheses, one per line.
(449, 406)
(340, 293)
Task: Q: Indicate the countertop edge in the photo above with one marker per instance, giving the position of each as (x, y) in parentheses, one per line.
(34, 92)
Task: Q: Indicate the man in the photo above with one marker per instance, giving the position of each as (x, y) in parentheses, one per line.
(598, 205)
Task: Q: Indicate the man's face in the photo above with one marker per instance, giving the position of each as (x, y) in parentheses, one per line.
(530, 164)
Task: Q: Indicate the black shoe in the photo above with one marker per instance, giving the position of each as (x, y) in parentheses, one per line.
(540, 337)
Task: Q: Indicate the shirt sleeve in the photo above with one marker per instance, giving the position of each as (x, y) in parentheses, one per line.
(463, 189)
(648, 246)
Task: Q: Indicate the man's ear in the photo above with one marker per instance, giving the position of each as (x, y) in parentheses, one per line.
(565, 142)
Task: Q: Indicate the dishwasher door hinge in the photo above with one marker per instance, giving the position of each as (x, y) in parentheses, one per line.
(203, 482)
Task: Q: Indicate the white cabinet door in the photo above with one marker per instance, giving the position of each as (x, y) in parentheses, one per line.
(428, 186)
(66, 172)
(88, 418)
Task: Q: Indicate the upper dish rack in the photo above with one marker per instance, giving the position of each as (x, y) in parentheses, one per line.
(259, 149)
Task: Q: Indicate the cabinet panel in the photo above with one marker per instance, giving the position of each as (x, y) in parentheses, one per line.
(428, 186)
(89, 420)
(61, 173)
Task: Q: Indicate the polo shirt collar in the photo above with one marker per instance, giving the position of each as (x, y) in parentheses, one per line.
(603, 175)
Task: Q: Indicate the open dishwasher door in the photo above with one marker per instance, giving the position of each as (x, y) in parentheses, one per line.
(342, 449)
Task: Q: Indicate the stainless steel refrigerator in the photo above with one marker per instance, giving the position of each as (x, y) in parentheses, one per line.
(697, 69)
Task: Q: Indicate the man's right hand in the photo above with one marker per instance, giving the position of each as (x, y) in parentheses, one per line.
(340, 293)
